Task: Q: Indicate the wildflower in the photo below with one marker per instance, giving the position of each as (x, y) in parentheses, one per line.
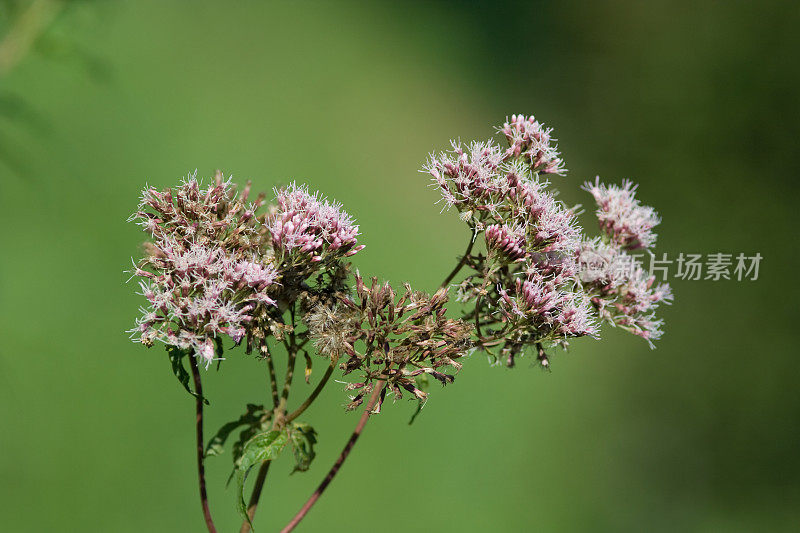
(509, 241)
(621, 216)
(468, 176)
(205, 274)
(307, 228)
(530, 139)
(493, 190)
(575, 317)
(535, 273)
(542, 310)
(600, 264)
(212, 214)
(620, 290)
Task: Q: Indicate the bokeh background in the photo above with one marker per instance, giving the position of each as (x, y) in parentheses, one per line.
(697, 101)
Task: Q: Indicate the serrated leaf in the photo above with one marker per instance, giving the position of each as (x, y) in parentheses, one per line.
(251, 418)
(262, 447)
(238, 447)
(176, 356)
(303, 438)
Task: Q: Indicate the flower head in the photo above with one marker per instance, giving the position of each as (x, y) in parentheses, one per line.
(470, 176)
(204, 214)
(621, 292)
(506, 240)
(529, 138)
(540, 309)
(205, 273)
(307, 228)
(621, 216)
(501, 195)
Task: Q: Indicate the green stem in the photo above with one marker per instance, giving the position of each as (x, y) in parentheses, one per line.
(313, 396)
(462, 262)
(287, 385)
(291, 349)
(278, 418)
(273, 380)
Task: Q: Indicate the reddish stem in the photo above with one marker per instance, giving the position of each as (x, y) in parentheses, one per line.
(335, 468)
(201, 473)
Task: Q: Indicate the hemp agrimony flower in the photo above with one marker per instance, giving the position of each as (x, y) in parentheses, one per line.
(621, 216)
(220, 268)
(528, 290)
(308, 228)
(621, 292)
(532, 141)
(201, 274)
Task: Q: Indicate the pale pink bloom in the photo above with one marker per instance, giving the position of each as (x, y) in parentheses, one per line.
(621, 291)
(200, 282)
(551, 225)
(575, 318)
(205, 352)
(309, 225)
(468, 175)
(546, 309)
(621, 216)
(529, 138)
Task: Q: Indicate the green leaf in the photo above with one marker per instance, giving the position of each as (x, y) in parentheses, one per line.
(303, 438)
(238, 447)
(176, 356)
(252, 418)
(262, 447)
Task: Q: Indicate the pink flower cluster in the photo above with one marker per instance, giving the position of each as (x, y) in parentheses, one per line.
(533, 141)
(550, 310)
(551, 226)
(621, 216)
(470, 177)
(531, 238)
(535, 247)
(197, 294)
(508, 241)
(307, 227)
(620, 290)
(629, 299)
(204, 274)
(211, 214)
(495, 188)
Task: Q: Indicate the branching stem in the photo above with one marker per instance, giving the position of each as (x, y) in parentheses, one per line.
(376, 392)
(279, 404)
(313, 396)
(463, 260)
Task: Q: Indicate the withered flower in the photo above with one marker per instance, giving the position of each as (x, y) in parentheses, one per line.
(390, 338)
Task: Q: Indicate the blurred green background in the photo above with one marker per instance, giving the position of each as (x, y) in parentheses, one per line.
(697, 101)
